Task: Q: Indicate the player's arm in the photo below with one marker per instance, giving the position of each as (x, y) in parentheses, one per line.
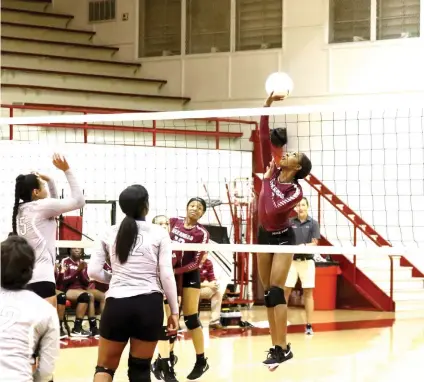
(69, 275)
(289, 201)
(166, 273)
(95, 269)
(195, 264)
(48, 348)
(84, 276)
(211, 275)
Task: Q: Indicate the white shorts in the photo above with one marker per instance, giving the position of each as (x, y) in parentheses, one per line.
(305, 271)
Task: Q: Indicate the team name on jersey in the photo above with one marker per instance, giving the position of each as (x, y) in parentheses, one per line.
(275, 191)
(186, 236)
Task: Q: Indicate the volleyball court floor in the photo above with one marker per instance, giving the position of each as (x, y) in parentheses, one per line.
(348, 346)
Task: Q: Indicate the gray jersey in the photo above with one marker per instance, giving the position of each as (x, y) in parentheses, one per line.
(36, 223)
(27, 323)
(147, 270)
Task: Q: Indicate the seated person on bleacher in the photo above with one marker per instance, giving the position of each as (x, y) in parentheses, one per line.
(98, 290)
(209, 290)
(75, 285)
(61, 302)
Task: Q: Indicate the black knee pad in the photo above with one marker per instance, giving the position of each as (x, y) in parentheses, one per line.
(61, 299)
(83, 298)
(163, 334)
(166, 302)
(192, 322)
(101, 369)
(138, 369)
(274, 297)
(172, 338)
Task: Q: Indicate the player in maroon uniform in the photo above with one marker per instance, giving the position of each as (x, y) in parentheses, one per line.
(98, 289)
(279, 195)
(75, 283)
(61, 301)
(188, 230)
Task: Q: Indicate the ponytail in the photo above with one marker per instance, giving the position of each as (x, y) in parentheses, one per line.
(126, 238)
(18, 190)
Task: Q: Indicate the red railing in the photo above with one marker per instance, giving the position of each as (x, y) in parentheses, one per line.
(154, 130)
(360, 282)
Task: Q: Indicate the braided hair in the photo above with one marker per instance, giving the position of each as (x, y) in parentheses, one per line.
(24, 186)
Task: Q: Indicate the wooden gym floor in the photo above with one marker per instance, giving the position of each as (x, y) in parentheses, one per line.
(348, 346)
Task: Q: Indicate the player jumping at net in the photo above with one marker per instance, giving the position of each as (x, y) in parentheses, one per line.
(163, 367)
(33, 218)
(188, 230)
(141, 259)
(279, 196)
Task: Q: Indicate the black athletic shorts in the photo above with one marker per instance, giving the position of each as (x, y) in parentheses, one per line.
(44, 289)
(139, 317)
(191, 279)
(283, 237)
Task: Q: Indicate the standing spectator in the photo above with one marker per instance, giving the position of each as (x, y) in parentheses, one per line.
(307, 233)
(209, 290)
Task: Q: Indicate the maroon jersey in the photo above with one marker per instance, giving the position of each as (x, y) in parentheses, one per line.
(276, 200)
(72, 277)
(206, 271)
(187, 261)
(100, 286)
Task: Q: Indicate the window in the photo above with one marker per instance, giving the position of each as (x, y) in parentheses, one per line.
(208, 26)
(160, 28)
(103, 10)
(259, 24)
(350, 20)
(398, 19)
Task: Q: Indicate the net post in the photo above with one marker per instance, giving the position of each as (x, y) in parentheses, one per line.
(391, 281)
(11, 126)
(85, 130)
(154, 133)
(217, 134)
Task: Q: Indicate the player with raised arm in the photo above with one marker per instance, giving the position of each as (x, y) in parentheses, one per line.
(34, 219)
(28, 324)
(188, 230)
(279, 195)
(141, 259)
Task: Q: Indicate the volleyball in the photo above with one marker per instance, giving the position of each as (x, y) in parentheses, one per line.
(280, 83)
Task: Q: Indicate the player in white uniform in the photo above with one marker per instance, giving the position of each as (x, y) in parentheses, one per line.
(141, 260)
(34, 219)
(28, 324)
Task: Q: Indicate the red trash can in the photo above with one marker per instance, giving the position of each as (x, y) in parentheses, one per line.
(325, 291)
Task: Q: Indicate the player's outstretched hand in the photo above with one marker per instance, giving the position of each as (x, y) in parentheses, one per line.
(274, 97)
(60, 162)
(269, 170)
(172, 327)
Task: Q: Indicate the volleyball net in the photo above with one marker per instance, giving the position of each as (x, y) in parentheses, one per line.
(366, 187)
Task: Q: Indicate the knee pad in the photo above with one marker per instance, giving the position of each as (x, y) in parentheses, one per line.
(163, 334)
(83, 298)
(61, 299)
(274, 297)
(192, 322)
(101, 369)
(166, 302)
(138, 369)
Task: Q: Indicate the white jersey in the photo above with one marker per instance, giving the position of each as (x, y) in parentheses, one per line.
(36, 223)
(147, 270)
(27, 324)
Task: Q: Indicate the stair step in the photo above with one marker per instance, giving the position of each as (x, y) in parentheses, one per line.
(57, 48)
(20, 15)
(409, 305)
(42, 32)
(404, 285)
(40, 6)
(376, 274)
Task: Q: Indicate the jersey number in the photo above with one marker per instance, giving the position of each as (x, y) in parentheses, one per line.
(22, 226)
(138, 243)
